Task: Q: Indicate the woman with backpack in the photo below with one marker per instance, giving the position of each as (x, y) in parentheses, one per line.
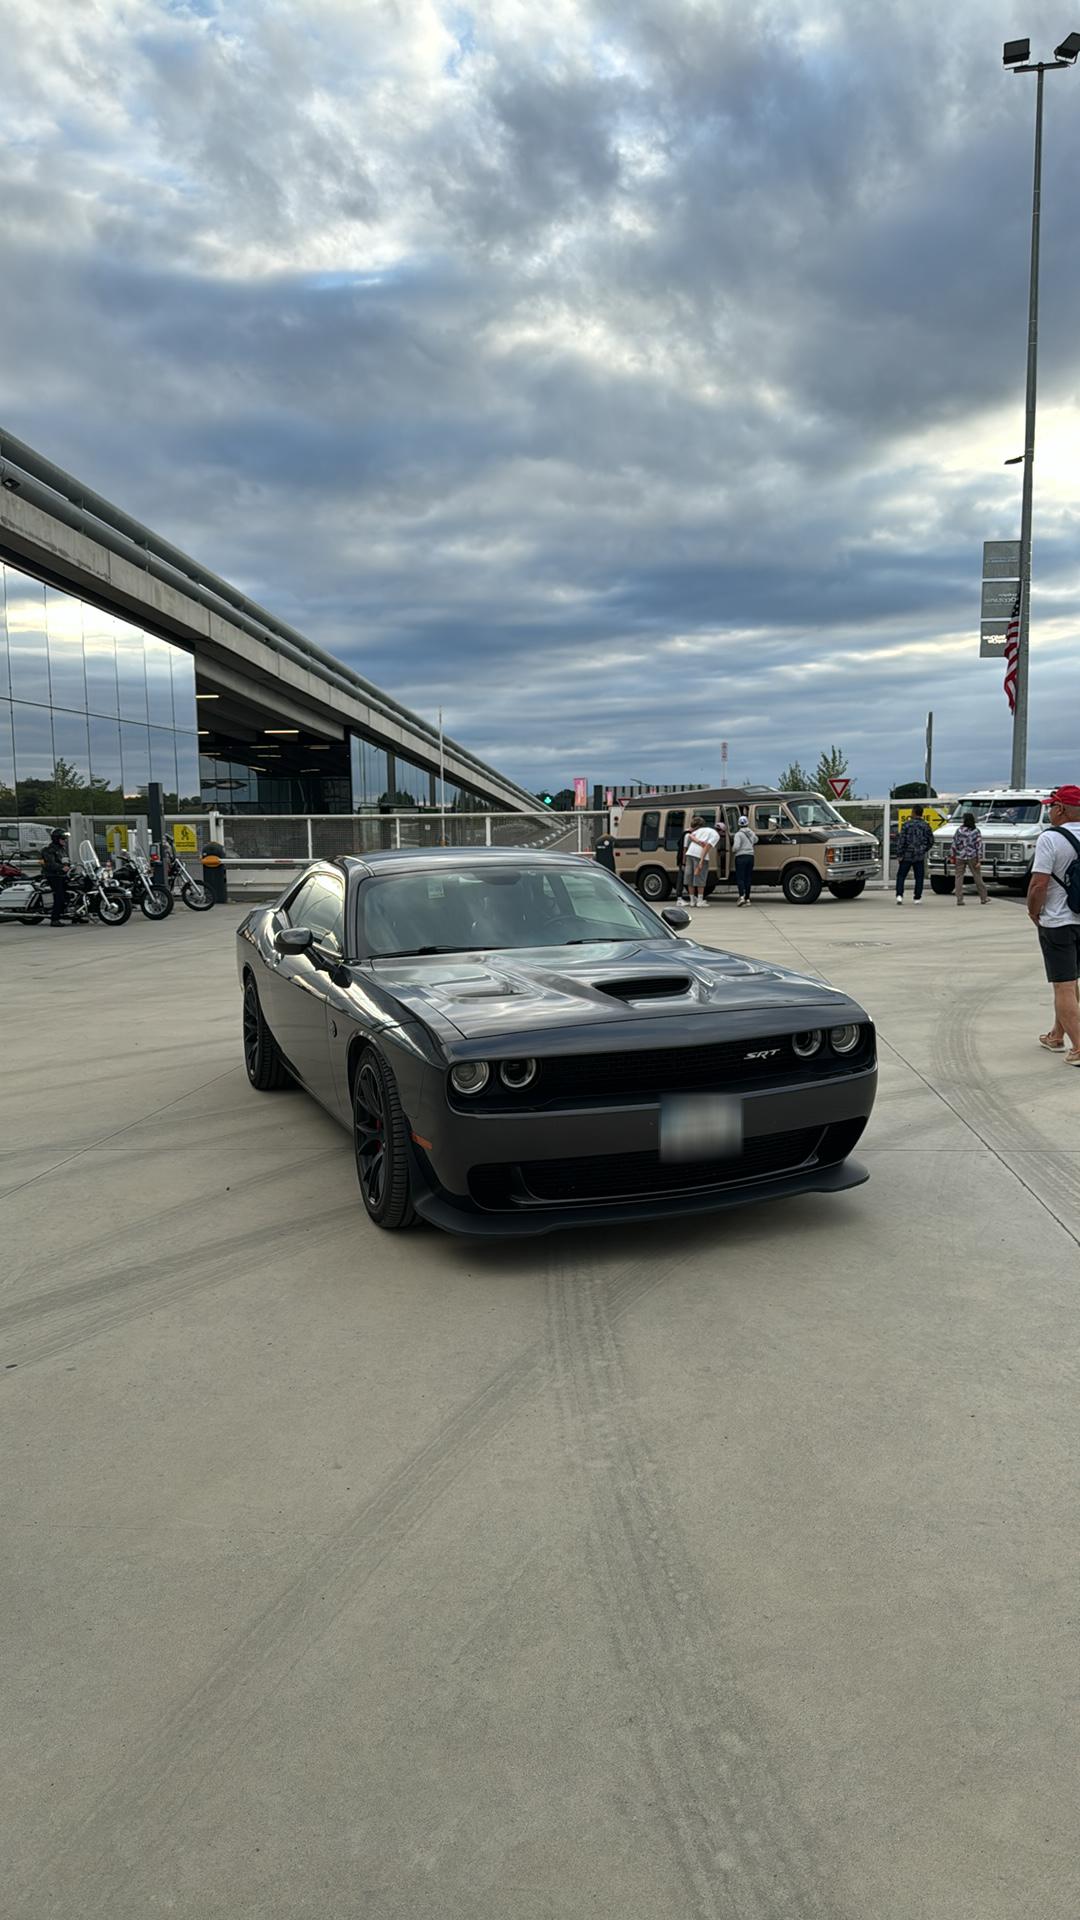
(967, 851)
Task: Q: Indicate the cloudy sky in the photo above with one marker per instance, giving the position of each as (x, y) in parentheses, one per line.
(620, 377)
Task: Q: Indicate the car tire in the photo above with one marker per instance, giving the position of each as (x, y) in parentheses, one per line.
(801, 885)
(847, 889)
(264, 1065)
(653, 884)
(941, 883)
(381, 1145)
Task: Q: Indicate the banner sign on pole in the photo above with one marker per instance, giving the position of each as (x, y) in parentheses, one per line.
(581, 793)
(1001, 559)
(1000, 582)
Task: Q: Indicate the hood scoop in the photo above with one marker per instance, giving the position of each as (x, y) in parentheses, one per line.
(649, 986)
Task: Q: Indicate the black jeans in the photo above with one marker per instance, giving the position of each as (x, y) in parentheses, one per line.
(744, 874)
(918, 868)
(59, 885)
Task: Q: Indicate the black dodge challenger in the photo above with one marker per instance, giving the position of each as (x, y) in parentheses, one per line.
(518, 1043)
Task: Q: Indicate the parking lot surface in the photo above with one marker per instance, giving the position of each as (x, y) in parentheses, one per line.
(718, 1568)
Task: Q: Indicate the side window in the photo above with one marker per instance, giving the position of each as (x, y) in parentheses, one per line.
(766, 820)
(674, 828)
(320, 905)
(650, 832)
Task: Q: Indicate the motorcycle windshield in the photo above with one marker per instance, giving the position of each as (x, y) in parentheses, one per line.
(88, 856)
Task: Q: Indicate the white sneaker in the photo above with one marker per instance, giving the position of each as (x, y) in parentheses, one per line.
(917, 902)
(899, 899)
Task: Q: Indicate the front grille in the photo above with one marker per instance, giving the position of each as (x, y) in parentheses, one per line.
(851, 851)
(716, 1068)
(614, 1176)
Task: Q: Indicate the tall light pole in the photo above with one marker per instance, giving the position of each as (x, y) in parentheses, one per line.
(1017, 56)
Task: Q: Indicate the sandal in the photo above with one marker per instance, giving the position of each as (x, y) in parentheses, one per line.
(1072, 1059)
(1052, 1046)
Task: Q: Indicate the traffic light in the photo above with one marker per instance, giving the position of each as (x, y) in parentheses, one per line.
(547, 800)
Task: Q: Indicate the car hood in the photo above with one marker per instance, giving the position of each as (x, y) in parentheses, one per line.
(532, 989)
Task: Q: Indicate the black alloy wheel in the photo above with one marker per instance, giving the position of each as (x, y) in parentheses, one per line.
(380, 1138)
(265, 1067)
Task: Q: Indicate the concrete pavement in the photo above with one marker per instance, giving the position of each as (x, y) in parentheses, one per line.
(719, 1569)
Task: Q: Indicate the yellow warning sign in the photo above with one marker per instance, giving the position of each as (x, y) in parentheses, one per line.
(185, 839)
(116, 839)
(932, 815)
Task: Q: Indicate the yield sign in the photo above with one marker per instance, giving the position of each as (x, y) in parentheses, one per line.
(839, 784)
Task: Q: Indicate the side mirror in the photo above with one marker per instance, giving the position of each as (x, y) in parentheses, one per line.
(294, 940)
(676, 917)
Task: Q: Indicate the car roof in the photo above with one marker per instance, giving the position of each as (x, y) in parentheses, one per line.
(414, 859)
(710, 796)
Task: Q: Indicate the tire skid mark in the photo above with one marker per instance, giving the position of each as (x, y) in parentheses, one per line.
(736, 1841)
(977, 1097)
(116, 1299)
(117, 1843)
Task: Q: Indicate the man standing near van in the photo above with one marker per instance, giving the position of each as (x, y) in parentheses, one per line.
(915, 842)
(743, 849)
(699, 845)
(1052, 891)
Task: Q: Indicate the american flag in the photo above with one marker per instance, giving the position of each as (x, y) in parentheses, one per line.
(1012, 649)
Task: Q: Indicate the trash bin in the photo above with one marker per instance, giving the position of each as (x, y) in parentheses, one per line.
(215, 879)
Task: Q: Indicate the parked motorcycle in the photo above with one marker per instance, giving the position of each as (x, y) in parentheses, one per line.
(28, 898)
(191, 891)
(132, 873)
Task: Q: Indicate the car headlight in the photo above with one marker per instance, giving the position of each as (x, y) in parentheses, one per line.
(844, 1039)
(806, 1044)
(517, 1073)
(471, 1076)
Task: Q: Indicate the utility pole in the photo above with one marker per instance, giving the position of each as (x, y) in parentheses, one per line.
(442, 785)
(1016, 56)
(929, 751)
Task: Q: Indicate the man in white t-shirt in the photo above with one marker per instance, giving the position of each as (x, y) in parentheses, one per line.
(1058, 926)
(700, 842)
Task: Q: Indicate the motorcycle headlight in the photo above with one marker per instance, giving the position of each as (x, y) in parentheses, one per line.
(844, 1039)
(806, 1044)
(471, 1076)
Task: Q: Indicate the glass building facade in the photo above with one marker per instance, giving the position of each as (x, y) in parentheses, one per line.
(387, 782)
(92, 708)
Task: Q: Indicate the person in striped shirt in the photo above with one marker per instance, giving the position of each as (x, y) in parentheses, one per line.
(967, 851)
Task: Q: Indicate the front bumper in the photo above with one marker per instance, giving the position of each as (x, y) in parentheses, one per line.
(445, 1171)
(851, 870)
(992, 869)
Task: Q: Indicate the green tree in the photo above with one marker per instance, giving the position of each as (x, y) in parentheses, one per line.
(913, 790)
(831, 766)
(794, 779)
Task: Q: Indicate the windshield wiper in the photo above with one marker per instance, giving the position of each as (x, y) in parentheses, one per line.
(415, 953)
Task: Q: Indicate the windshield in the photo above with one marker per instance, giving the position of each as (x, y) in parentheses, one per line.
(1017, 813)
(815, 813)
(479, 909)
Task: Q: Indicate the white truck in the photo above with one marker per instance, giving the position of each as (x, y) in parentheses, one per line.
(1010, 820)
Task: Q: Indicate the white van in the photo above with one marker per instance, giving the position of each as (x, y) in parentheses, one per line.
(1010, 820)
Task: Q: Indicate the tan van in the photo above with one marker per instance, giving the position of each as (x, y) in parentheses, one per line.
(803, 843)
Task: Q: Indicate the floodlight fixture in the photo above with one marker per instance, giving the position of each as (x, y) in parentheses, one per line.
(1069, 47)
(1016, 51)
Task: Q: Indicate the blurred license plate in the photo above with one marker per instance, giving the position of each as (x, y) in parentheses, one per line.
(700, 1126)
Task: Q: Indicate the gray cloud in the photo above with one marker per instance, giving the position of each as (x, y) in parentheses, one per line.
(619, 379)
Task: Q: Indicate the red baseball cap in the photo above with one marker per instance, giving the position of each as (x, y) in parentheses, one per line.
(1065, 797)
